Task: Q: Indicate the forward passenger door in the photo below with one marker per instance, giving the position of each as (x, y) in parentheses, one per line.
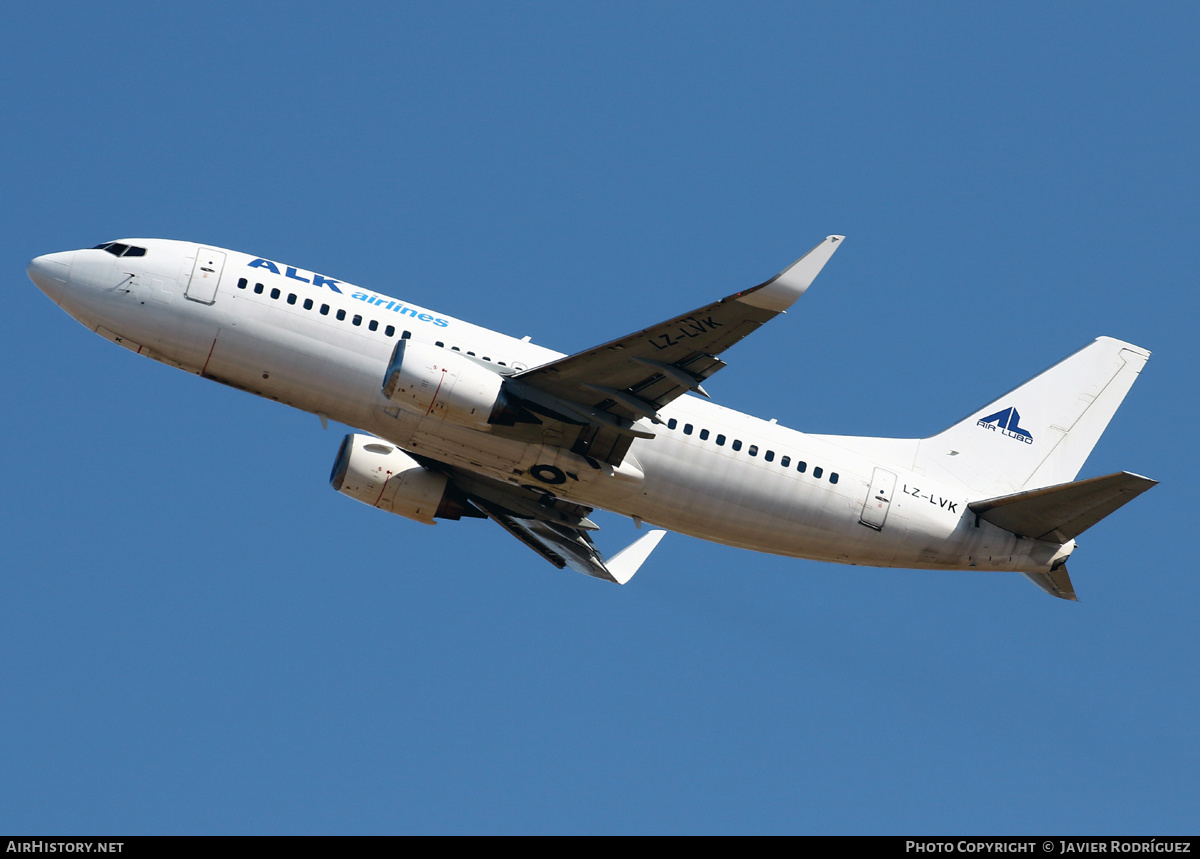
(206, 274)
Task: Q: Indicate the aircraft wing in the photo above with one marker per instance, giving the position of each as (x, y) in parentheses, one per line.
(607, 388)
(565, 547)
(557, 530)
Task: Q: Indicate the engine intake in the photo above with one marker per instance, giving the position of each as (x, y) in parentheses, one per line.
(381, 475)
(429, 380)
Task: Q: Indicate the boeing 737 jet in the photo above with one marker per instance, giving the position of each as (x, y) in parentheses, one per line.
(460, 421)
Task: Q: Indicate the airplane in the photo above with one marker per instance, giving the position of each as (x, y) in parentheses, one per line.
(458, 421)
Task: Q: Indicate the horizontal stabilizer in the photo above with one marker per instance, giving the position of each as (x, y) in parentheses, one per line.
(1061, 513)
(1056, 583)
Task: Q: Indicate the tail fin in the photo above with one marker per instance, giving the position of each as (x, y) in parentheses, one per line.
(1041, 433)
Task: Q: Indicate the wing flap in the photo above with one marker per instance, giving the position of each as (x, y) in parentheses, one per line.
(565, 547)
(557, 530)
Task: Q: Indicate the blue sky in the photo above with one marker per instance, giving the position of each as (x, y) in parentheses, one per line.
(198, 635)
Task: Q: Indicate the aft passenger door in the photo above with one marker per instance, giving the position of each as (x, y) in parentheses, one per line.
(879, 499)
(206, 274)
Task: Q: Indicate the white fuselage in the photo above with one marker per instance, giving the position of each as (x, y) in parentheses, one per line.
(710, 472)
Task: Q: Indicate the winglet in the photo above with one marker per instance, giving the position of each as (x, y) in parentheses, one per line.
(627, 561)
(779, 293)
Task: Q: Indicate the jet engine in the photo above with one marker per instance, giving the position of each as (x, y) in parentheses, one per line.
(440, 383)
(380, 474)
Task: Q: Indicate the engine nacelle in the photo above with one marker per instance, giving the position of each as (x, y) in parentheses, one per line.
(380, 474)
(440, 383)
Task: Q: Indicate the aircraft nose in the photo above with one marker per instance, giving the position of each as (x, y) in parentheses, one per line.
(51, 272)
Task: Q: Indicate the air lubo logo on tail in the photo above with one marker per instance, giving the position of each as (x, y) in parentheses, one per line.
(1008, 422)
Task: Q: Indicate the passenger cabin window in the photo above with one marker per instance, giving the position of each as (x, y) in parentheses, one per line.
(242, 283)
(291, 298)
(753, 450)
(275, 292)
(672, 423)
(785, 461)
(769, 455)
(324, 309)
(801, 466)
(737, 444)
(390, 331)
(357, 320)
(833, 477)
(687, 429)
(374, 325)
(817, 471)
(308, 304)
(703, 435)
(258, 289)
(341, 315)
(720, 441)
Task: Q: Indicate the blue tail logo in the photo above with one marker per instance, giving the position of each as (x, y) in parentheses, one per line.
(1008, 422)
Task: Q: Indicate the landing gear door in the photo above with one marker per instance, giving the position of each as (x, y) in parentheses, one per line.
(206, 274)
(879, 499)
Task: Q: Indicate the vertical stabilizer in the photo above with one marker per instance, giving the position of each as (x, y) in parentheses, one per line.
(1041, 433)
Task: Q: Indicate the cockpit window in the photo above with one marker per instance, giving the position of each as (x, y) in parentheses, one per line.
(119, 250)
